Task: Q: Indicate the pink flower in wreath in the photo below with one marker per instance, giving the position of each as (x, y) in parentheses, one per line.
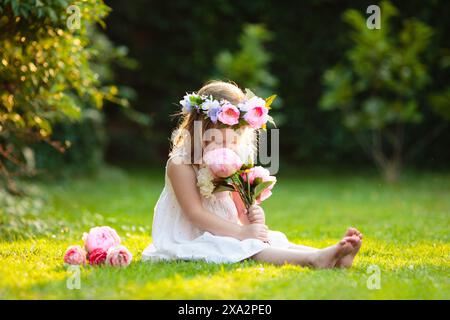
(256, 112)
(229, 114)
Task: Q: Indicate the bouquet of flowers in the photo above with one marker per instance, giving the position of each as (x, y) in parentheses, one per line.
(101, 245)
(225, 171)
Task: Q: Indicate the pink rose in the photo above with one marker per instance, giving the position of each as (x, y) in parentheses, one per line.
(100, 237)
(229, 114)
(222, 162)
(97, 256)
(256, 117)
(118, 256)
(75, 255)
(255, 112)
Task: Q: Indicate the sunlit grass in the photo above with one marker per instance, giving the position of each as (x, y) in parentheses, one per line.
(406, 236)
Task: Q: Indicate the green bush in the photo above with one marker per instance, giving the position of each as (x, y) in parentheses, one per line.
(46, 76)
(249, 66)
(86, 138)
(20, 216)
(378, 86)
(176, 43)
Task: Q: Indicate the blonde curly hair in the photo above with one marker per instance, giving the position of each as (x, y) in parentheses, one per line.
(183, 137)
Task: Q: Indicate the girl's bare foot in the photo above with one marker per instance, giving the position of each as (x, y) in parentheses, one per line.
(328, 257)
(352, 232)
(347, 261)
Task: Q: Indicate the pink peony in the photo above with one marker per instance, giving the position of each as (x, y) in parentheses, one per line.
(264, 195)
(264, 175)
(229, 114)
(256, 172)
(97, 256)
(222, 162)
(100, 237)
(118, 256)
(75, 255)
(256, 112)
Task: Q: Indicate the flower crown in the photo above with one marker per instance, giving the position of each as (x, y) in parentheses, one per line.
(253, 111)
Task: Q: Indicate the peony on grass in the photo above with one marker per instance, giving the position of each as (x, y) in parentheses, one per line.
(405, 228)
(102, 237)
(75, 255)
(103, 247)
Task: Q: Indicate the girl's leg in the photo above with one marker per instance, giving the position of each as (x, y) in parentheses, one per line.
(280, 256)
(350, 232)
(343, 262)
(303, 248)
(321, 258)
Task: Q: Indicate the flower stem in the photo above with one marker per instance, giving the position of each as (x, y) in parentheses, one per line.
(240, 189)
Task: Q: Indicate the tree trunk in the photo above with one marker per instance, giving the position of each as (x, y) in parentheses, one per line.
(389, 163)
(392, 170)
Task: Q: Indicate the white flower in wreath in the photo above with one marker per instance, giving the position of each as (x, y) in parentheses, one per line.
(205, 182)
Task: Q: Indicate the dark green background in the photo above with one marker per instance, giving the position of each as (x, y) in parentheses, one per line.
(175, 43)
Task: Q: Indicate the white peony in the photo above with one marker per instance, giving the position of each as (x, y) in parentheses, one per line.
(205, 182)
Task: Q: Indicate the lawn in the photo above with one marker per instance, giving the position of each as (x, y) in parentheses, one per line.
(406, 228)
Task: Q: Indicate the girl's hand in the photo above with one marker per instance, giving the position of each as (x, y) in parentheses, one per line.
(256, 214)
(254, 231)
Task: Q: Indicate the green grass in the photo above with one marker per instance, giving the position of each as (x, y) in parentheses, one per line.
(406, 228)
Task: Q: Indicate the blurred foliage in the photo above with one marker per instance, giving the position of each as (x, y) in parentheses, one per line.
(46, 75)
(176, 54)
(20, 216)
(249, 66)
(384, 73)
(87, 135)
(177, 43)
(86, 139)
(440, 99)
(378, 86)
(441, 103)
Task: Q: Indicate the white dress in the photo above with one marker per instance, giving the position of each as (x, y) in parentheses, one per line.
(176, 238)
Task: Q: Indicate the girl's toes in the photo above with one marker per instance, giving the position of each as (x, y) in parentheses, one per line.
(345, 249)
(353, 240)
(350, 231)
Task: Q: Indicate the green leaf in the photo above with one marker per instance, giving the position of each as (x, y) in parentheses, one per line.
(221, 188)
(249, 93)
(269, 100)
(261, 187)
(257, 181)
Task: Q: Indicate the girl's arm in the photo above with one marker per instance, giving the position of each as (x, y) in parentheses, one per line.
(240, 206)
(184, 183)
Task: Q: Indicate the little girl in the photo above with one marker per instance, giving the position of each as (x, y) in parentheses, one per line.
(218, 229)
